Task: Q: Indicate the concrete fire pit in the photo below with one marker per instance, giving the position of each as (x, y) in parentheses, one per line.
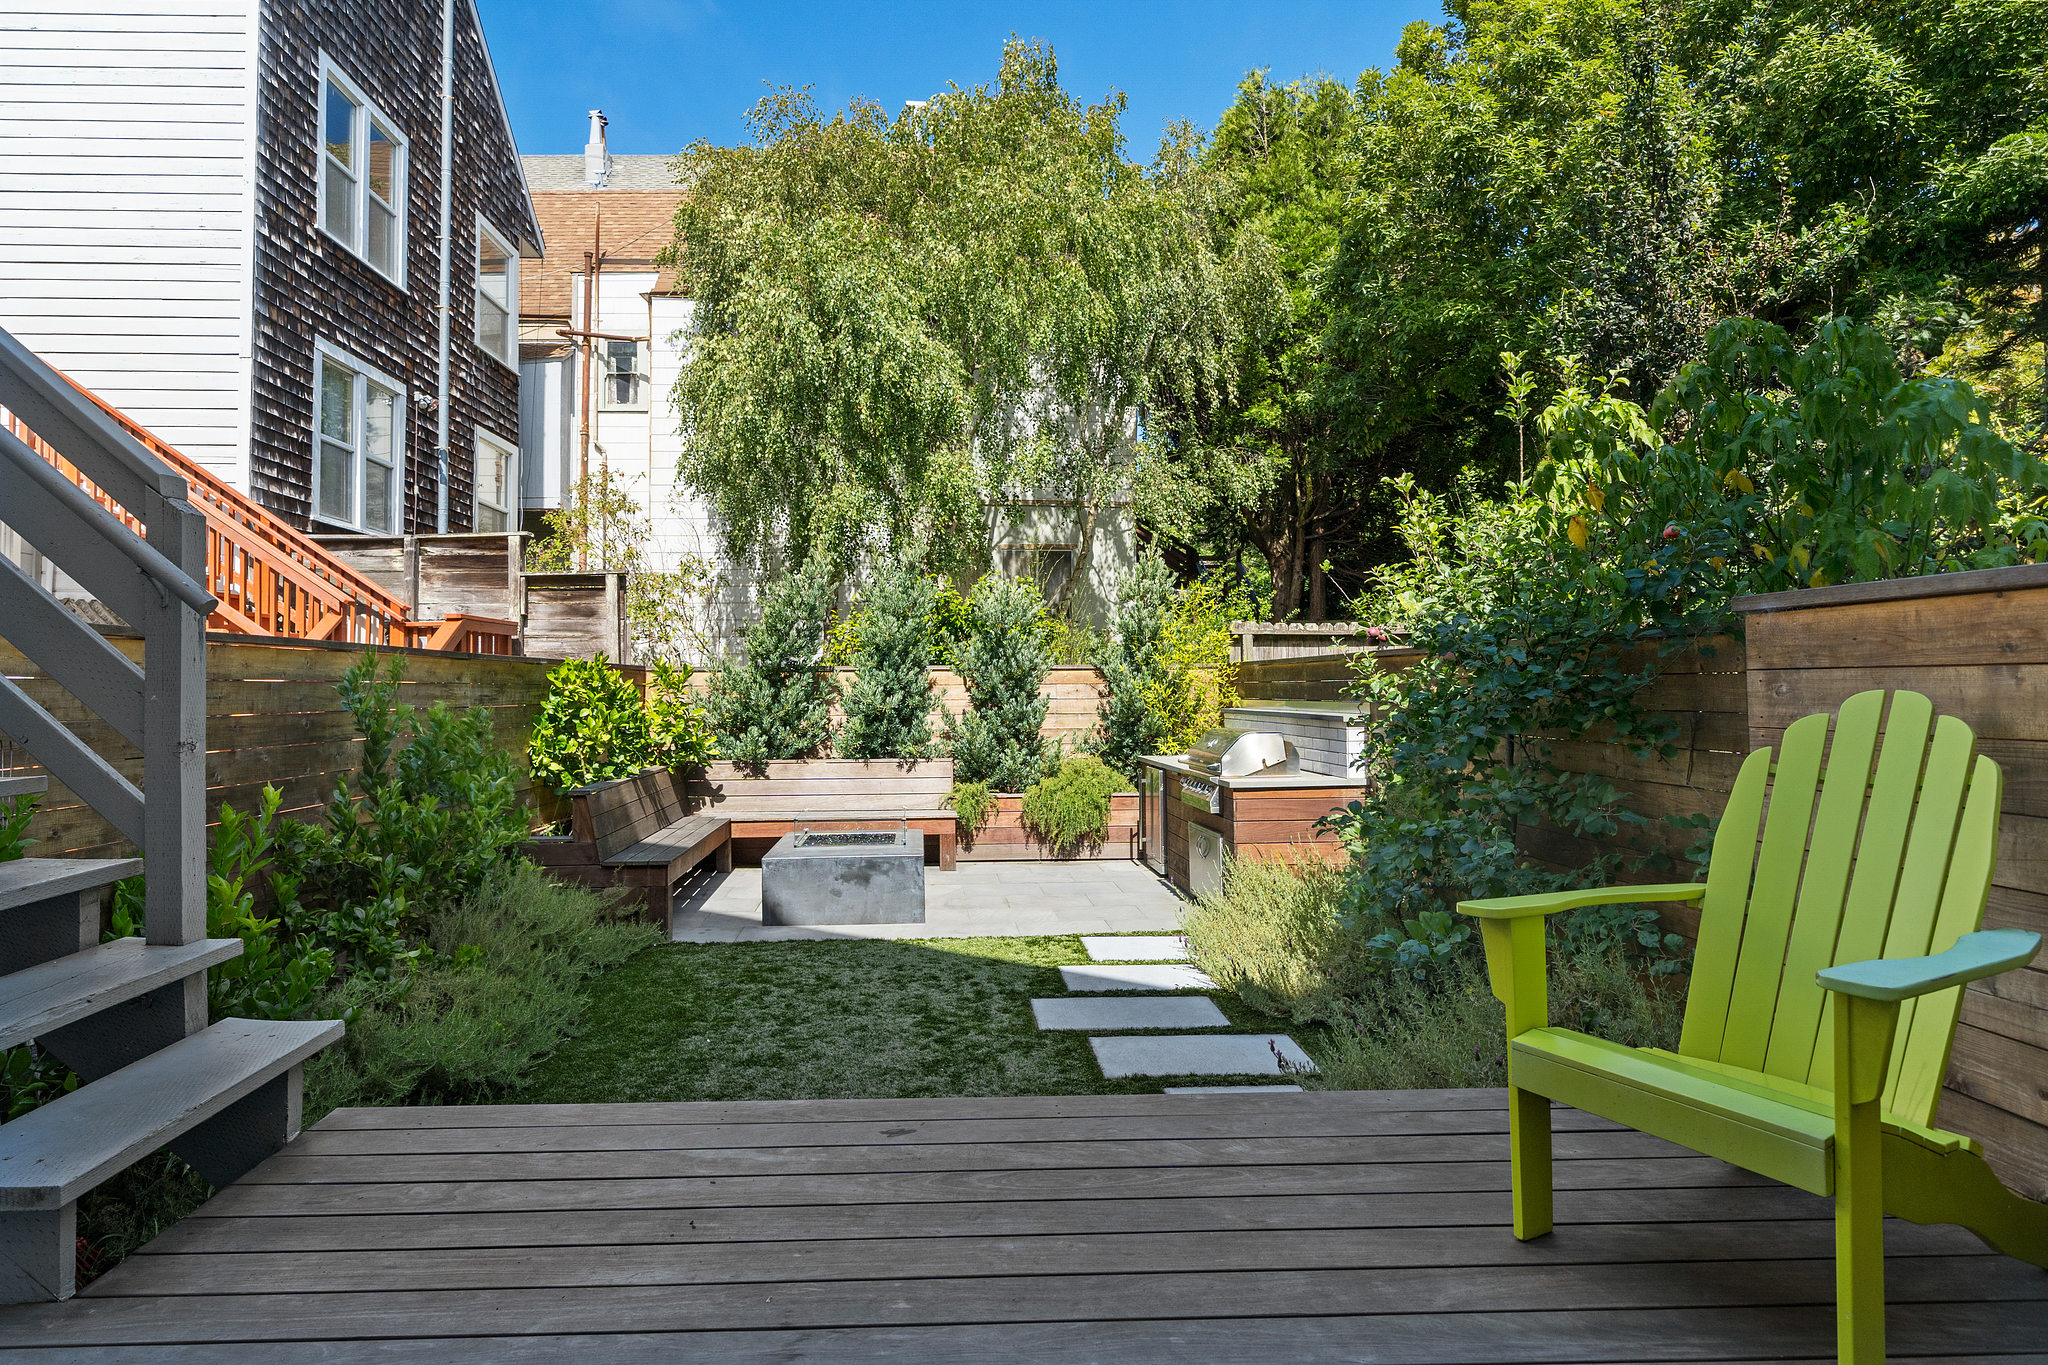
(844, 877)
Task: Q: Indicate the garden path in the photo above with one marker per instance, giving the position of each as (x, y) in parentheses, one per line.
(976, 900)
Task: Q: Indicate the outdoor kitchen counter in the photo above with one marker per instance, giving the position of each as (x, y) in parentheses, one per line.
(1268, 815)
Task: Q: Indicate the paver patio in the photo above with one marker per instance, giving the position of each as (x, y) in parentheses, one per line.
(977, 900)
(1327, 1226)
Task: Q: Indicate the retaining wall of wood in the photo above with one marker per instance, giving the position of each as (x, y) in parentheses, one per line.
(273, 716)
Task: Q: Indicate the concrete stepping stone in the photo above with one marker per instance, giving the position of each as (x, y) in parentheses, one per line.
(1111, 1012)
(1136, 948)
(1199, 1054)
(1107, 977)
(1232, 1090)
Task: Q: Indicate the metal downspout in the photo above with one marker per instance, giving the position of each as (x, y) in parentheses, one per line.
(447, 303)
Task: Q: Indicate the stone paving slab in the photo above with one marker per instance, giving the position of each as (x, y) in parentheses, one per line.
(1231, 1090)
(1137, 948)
(1112, 977)
(1128, 1012)
(1200, 1054)
(976, 901)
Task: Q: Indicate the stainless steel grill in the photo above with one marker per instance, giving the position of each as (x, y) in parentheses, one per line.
(1244, 753)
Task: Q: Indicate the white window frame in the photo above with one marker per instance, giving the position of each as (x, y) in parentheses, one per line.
(367, 111)
(364, 375)
(644, 365)
(510, 360)
(491, 445)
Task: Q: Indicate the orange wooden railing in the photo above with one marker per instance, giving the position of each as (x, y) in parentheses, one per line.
(273, 579)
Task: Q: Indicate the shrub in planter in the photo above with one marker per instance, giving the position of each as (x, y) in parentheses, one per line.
(889, 706)
(678, 734)
(998, 740)
(776, 703)
(973, 803)
(1070, 809)
(592, 727)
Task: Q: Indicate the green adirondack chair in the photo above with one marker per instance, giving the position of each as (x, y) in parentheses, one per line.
(1824, 994)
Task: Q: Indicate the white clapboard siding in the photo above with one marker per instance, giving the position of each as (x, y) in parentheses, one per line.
(127, 160)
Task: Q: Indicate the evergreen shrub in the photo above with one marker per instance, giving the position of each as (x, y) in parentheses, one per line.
(889, 706)
(776, 703)
(998, 740)
(1070, 809)
(1136, 667)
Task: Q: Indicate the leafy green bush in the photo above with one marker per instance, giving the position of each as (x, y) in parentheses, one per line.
(592, 727)
(1070, 809)
(776, 703)
(431, 810)
(678, 735)
(15, 814)
(972, 804)
(889, 706)
(500, 991)
(277, 976)
(998, 741)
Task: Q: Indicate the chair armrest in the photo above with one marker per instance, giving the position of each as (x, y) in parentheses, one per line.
(1974, 956)
(1552, 902)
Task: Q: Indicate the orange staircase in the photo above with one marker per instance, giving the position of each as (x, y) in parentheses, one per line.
(273, 579)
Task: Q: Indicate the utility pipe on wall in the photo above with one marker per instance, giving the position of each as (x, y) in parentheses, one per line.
(447, 303)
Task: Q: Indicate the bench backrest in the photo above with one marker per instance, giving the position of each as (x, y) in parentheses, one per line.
(616, 815)
(819, 786)
(1886, 851)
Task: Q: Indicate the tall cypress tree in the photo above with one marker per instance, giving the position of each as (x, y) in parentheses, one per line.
(889, 706)
(1133, 663)
(998, 740)
(776, 703)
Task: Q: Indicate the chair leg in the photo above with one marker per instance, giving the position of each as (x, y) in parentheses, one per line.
(1529, 1156)
(1859, 1244)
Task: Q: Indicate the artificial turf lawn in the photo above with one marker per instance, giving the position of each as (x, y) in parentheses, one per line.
(832, 1019)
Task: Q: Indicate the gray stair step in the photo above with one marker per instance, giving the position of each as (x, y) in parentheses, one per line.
(24, 786)
(25, 881)
(52, 1155)
(46, 997)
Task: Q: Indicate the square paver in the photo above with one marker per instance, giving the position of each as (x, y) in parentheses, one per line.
(1231, 1090)
(1137, 948)
(1126, 1012)
(1200, 1054)
(1110, 977)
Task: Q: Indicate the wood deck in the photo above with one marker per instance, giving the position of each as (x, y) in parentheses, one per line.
(1355, 1226)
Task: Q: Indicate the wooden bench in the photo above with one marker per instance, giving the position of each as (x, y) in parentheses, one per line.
(635, 832)
(828, 794)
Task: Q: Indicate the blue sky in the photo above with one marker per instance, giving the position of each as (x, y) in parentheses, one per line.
(667, 72)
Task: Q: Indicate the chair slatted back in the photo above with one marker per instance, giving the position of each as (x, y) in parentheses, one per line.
(1885, 849)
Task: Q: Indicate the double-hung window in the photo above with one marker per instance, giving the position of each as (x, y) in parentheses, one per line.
(496, 477)
(362, 175)
(358, 435)
(625, 375)
(497, 295)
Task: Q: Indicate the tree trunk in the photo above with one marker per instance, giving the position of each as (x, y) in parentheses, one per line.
(1318, 588)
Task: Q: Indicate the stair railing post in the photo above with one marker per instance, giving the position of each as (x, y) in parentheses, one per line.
(174, 738)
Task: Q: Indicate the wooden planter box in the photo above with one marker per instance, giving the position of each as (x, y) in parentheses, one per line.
(1004, 838)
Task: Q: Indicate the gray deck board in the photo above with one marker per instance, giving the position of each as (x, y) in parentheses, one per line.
(1311, 1227)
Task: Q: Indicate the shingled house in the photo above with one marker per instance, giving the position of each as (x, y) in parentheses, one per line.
(238, 222)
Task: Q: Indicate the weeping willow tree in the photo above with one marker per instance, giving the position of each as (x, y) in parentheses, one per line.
(902, 322)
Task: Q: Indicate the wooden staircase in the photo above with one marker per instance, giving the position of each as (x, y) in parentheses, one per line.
(267, 577)
(128, 1016)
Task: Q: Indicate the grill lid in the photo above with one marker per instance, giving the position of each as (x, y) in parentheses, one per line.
(1243, 753)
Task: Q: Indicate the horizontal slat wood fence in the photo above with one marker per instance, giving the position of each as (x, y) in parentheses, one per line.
(273, 717)
(1977, 645)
